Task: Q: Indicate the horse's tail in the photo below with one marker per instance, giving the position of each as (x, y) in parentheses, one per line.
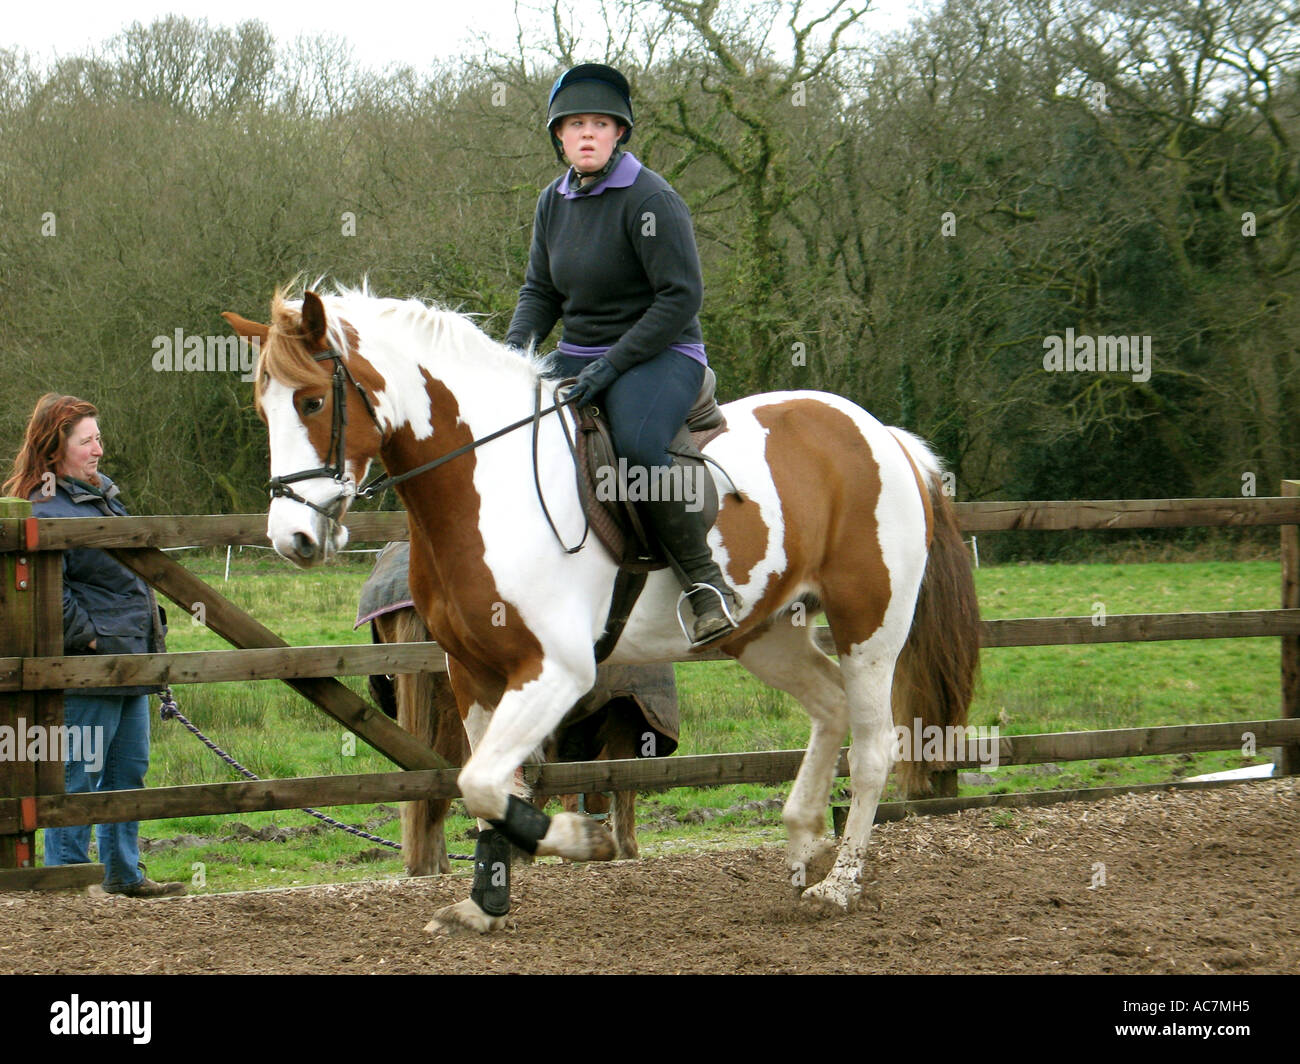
(935, 675)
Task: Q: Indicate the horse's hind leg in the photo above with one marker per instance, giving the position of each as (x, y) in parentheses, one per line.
(426, 708)
(785, 657)
(868, 675)
(623, 819)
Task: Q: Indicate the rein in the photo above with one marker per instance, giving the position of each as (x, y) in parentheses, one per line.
(336, 458)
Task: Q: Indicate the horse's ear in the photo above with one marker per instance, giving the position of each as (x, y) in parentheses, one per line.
(250, 330)
(313, 320)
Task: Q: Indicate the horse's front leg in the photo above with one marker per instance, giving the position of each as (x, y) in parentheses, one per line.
(525, 716)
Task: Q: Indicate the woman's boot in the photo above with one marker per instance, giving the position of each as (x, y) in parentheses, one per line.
(684, 537)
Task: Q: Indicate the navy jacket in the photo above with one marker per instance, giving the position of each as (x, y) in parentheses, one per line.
(102, 599)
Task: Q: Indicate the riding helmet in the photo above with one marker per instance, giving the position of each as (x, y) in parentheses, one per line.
(591, 88)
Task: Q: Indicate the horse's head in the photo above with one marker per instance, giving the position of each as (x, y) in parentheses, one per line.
(321, 424)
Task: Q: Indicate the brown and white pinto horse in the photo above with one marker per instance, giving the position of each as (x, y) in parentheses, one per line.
(835, 505)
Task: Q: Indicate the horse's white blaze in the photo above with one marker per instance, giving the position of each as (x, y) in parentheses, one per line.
(292, 452)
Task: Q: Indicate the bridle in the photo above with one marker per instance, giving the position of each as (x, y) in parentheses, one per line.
(336, 459)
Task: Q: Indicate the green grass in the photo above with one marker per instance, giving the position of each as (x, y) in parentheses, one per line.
(276, 733)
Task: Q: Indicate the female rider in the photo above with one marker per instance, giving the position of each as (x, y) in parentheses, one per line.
(613, 255)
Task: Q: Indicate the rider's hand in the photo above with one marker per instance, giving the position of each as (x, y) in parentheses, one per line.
(592, 381)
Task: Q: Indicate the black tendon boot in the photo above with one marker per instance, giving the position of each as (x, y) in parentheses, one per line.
(683, 536)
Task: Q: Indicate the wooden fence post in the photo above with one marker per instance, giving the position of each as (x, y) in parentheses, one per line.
(17, 708)
(31, 605)
(1288, 761)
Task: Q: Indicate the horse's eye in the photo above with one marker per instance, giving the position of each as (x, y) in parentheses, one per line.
(312, 406)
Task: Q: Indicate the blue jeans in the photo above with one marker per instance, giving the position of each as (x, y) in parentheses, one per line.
(647, 404)
(120, 726)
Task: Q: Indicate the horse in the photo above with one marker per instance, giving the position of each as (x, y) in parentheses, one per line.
(827, 502)
(631, 712)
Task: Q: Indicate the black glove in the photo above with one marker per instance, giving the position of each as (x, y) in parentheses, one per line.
(592, 381)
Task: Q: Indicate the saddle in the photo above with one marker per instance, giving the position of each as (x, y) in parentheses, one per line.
(610, 491)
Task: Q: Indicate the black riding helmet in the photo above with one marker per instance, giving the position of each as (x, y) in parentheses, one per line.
(592, 88)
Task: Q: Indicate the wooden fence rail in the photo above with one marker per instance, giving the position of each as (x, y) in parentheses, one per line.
(385, 525)
(650, 774)
(364, 659)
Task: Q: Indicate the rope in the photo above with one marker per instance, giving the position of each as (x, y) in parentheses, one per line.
(170, 710)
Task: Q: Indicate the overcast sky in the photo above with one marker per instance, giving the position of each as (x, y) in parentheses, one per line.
(380, 33)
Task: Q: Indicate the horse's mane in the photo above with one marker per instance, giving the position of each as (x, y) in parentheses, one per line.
(350, 312)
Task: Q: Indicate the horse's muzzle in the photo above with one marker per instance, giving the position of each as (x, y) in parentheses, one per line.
(304, 544)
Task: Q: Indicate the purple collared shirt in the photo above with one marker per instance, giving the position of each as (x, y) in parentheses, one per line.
(695, 351)
(623, 174)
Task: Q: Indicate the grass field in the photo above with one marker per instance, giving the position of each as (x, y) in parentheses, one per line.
(276, 733)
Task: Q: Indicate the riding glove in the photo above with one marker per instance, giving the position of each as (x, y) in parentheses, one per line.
(592, 381)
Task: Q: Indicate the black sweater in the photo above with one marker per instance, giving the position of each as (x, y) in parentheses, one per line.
(620, 268)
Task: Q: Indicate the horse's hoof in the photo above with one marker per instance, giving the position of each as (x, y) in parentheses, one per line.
(463, 917)
(835, 893)
(821, 861)
(579, 838)
(600, 844)
(815, 867)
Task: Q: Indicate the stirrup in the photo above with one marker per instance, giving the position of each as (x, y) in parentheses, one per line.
(722, 602)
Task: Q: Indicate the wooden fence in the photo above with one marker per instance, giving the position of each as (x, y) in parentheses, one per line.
(34, 673)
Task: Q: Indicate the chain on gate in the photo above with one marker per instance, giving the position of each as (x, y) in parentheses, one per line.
(170, 710)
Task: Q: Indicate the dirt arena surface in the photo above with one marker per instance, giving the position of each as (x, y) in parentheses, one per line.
(1197, 882)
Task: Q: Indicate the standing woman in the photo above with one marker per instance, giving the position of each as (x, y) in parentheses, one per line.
(107, 609)
(613, 255)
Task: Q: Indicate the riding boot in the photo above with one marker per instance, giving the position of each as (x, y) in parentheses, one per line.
(683, 536)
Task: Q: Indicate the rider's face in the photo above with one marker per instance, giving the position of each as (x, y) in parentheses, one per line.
(588, 140)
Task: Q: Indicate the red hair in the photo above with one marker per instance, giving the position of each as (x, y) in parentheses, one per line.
(45, 441)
